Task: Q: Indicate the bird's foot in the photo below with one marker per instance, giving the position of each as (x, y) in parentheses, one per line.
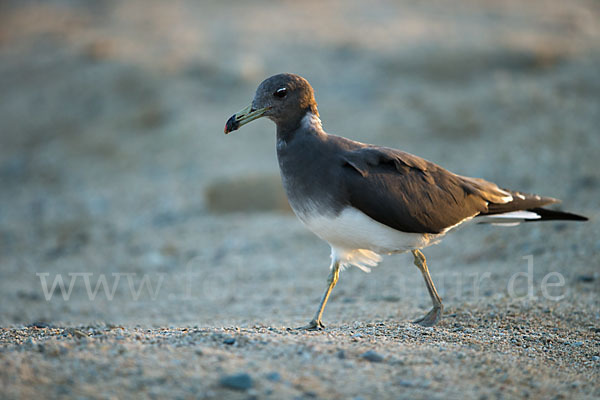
(431, 318)
(314, 325)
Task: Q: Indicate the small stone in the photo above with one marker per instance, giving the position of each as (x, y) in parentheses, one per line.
(273, 376)
(79, 334)
(229, 341)
(595, 358)
(586, 278)
(372, 356)
(577, 344)
(341, 354)
(241, 381)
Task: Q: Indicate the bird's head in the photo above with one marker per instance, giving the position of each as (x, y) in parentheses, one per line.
(283, 98)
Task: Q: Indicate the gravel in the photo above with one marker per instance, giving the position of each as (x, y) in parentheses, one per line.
(510, 356)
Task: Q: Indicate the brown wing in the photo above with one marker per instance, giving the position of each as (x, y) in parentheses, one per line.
(411, 194)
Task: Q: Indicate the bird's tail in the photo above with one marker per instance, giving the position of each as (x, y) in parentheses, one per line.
(525, 208)
(555, 215)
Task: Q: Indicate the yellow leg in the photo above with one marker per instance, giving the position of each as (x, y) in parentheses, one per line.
(334, 275)
(433, 316)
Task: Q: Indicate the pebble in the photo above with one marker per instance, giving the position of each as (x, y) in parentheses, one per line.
(406, 383)
(372, 356)
(79, 334)
(273, 376)
(586, 278)
(241, 381)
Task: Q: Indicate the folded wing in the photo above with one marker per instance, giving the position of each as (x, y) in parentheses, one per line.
(411, 194)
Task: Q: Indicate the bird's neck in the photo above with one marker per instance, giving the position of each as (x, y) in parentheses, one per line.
(309, 124)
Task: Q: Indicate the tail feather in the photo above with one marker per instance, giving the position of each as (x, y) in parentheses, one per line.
(525, 207)
(520, 201)
(554, 215)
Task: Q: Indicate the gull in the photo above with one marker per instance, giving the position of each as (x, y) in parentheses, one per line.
(366, 200)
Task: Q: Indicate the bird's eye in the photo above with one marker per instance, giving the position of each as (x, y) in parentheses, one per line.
(280, 92)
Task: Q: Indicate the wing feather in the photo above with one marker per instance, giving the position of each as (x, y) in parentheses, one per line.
(411, 194)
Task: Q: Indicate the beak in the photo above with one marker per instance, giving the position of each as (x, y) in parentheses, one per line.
(242, 117)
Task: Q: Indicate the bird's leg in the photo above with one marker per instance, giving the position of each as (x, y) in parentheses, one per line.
(334, 275)
(433, 316)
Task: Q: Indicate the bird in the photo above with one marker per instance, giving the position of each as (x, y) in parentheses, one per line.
(365, 200)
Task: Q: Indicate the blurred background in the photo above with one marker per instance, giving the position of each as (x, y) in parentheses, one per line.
(113, 160)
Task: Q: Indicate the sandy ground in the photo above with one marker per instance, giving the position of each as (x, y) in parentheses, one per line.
(114, 170)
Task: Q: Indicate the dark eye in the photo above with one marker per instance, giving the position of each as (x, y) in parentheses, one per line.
(280, 93)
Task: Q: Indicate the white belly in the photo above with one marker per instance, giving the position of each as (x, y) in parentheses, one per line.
(357, 239)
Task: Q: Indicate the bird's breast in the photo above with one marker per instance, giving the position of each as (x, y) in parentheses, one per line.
(352, 229)
(309, 180)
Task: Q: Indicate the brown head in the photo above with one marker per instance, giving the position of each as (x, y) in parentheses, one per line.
(283, 98)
